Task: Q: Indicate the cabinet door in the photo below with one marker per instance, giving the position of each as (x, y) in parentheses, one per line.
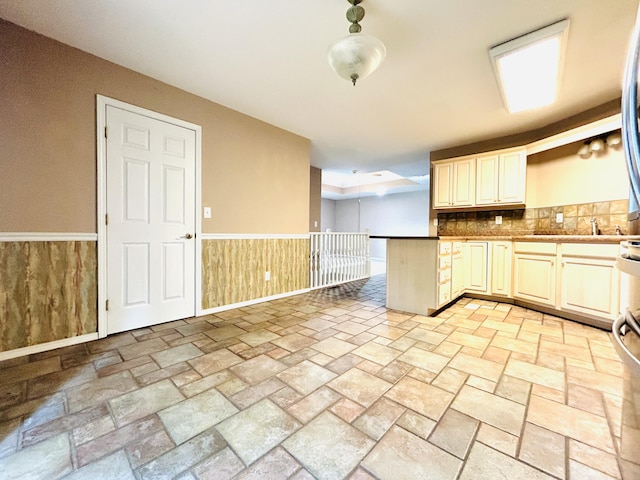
(457, 275)
(464, 182)
(477, 266)
(501, 268)
(512, 178)
(590, 286)
(442, 183)
(487, 180)
(534, 278)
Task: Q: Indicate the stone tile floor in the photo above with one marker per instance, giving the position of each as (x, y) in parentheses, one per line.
(326, 385)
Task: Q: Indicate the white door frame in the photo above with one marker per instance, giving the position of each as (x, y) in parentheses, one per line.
(101, 113)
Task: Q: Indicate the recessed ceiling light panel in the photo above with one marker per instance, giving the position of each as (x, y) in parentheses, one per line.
(529, 68)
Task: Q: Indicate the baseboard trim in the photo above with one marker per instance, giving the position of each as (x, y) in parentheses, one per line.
(247, 303)
(43, 347)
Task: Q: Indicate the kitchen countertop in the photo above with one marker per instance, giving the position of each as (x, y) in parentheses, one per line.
(548, 238)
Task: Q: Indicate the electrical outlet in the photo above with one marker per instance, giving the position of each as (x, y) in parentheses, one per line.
(207, 212)
(498, 219)
(435, 222)
(267, 276)
(559, 218)
(315, 224)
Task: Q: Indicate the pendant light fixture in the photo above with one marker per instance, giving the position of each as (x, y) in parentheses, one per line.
(356, 56)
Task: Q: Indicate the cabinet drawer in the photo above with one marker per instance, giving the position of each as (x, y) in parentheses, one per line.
(590, 250)
(539, 248)
(444, 294)
(444, 262)
(444, 248)
(444, 276)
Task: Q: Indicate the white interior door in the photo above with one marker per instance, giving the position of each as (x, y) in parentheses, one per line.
(151, 220)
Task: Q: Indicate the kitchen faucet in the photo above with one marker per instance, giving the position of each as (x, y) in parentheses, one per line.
(594, 226)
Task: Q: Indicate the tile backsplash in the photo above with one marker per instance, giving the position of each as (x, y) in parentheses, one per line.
(576, 220)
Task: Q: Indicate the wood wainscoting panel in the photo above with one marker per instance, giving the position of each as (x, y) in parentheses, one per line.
(233, 270)
(48, 291)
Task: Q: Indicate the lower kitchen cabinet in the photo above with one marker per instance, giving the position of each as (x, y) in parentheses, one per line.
(590, 281)
(501, 253)
(477, 255)
(534, 272)
(457, 270)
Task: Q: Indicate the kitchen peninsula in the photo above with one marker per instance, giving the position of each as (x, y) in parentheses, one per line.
(411, 266)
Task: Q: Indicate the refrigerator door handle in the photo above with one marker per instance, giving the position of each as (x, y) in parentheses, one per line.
(627, 357)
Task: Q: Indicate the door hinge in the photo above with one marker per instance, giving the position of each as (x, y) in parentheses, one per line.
(107, 305)
(106, 219)
(106, 132)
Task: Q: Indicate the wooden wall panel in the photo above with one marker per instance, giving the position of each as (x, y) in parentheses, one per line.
(48, 291)
(233, 269)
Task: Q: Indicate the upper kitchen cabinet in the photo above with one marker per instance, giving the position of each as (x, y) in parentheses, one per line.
(501, 178)
(496, 178)
(454, 183)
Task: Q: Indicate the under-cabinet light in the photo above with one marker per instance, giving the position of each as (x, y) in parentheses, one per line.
(529, 67)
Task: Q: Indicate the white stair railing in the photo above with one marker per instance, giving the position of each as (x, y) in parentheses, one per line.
(337, 257)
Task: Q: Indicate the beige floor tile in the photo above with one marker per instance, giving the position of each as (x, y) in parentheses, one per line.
(473, 341)
(401, 455)
(256, 430)
(312, 405)
(333, 347)
(450, 380)
(477, 366)
(420, 397)
(144, 401)
(195, 415)
(427, 336)
(48, 459)
(514, 345)
(379, 418)
(454, 433)
(306, 377)
(377, 353)
(417, 424)
(594, 458)
(347, 410)
(392, 333)
(602, 382)
(359, 386)
(275, 464)
(257, 369)
(498, 439)
(293, 342)
(535, 374)
(485, 463)
(258, 337)
(100, 390)
(425, 360)
(577, 424)
(585, 399)
(543, 449)
(494, 324)
(492, 409)
(214, 362)
(328, 447)
(579, 471)
(513, 388)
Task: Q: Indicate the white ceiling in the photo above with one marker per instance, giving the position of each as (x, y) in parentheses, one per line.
(267, 58)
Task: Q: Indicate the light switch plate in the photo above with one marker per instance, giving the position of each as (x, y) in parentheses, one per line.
(435, 222)
(207, 212)
(559, 218)
(267, 276)
(498, 219)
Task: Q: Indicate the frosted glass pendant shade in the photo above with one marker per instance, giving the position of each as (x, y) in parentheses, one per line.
(355, 56)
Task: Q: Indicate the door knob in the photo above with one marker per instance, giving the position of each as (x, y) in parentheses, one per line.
(188, 236)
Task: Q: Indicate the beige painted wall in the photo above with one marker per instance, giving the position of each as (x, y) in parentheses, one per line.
(255, 177)
(560, 177)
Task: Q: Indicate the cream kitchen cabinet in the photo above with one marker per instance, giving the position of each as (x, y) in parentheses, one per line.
(590, 281)
(454, 183)
(501, 178)
(444, 273)
(501, 253)
(534, 272)
(457, 270)
(477, 260)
